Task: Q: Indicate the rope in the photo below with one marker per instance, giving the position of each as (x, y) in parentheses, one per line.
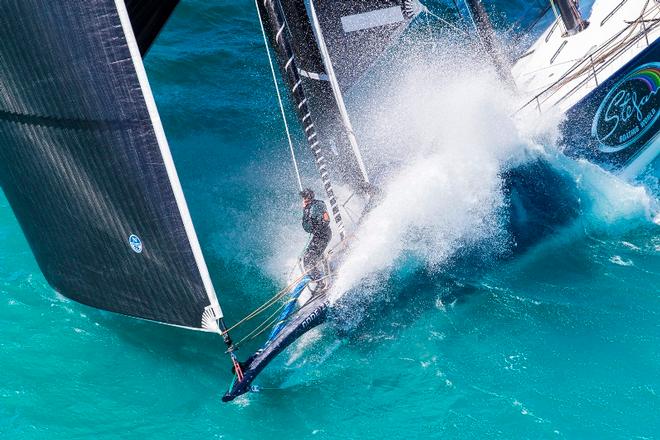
(604, 56)
(263, 326)
(268, 303)
(280, 294)
(474, 23)
(279, 99)
(268, 322)
(427, 12)
(283, 48)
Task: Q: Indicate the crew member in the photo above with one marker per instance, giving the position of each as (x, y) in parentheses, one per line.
(316, 221)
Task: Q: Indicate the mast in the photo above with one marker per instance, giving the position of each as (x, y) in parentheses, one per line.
(335, 88)
(488, 39)
(570, 15)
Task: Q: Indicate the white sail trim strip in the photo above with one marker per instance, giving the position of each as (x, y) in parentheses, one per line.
(327, 62)
(169, 324)
(372, 19)
(214, 306)
(279, 33)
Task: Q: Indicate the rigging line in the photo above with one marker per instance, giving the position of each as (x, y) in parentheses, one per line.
(561, 63)
(602, 55)
(458, 10)
(271, 321)
(442, 20)
(334, 84)
(601, 58)
(266, 305)
(537, 19)
(299, 258)
(279, 295)
(279, 97)
(261, 327)
(348, 199)
(481, 41)
(428, 28)
(266, 327)
(557, 15)
(348, 212)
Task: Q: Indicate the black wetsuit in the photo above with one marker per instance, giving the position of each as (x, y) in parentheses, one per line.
(316, 221)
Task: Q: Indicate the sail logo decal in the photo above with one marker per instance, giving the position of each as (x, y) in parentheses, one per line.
(372, 19)
(629, 110)
(136, 243)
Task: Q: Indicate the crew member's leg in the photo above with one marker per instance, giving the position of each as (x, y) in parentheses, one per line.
(314, 255)
(312, 258)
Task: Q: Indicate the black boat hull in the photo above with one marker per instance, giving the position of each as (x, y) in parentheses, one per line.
(310, 315)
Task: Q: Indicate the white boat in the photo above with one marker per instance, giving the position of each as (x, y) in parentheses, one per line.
(601, 67)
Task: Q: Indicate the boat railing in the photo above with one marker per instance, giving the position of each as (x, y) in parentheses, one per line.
(595, 61)
(612, 12)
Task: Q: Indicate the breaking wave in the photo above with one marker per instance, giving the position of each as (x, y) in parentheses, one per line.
(443, 144)
(459, 172)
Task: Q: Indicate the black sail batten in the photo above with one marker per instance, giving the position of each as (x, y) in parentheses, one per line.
(147, 19)
(85, 165)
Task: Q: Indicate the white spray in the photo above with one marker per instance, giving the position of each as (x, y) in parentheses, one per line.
(449, 133)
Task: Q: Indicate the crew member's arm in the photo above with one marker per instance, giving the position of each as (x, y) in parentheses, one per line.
(307, 222)
(320, 213)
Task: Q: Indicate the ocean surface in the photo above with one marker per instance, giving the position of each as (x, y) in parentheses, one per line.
(451, 330)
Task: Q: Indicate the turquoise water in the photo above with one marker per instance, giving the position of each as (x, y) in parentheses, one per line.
(560, 342)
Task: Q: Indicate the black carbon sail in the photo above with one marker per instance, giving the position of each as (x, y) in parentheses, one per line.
(296, 30)
(356, 33)
(342, 39)
(273, 23)
(85, 164)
